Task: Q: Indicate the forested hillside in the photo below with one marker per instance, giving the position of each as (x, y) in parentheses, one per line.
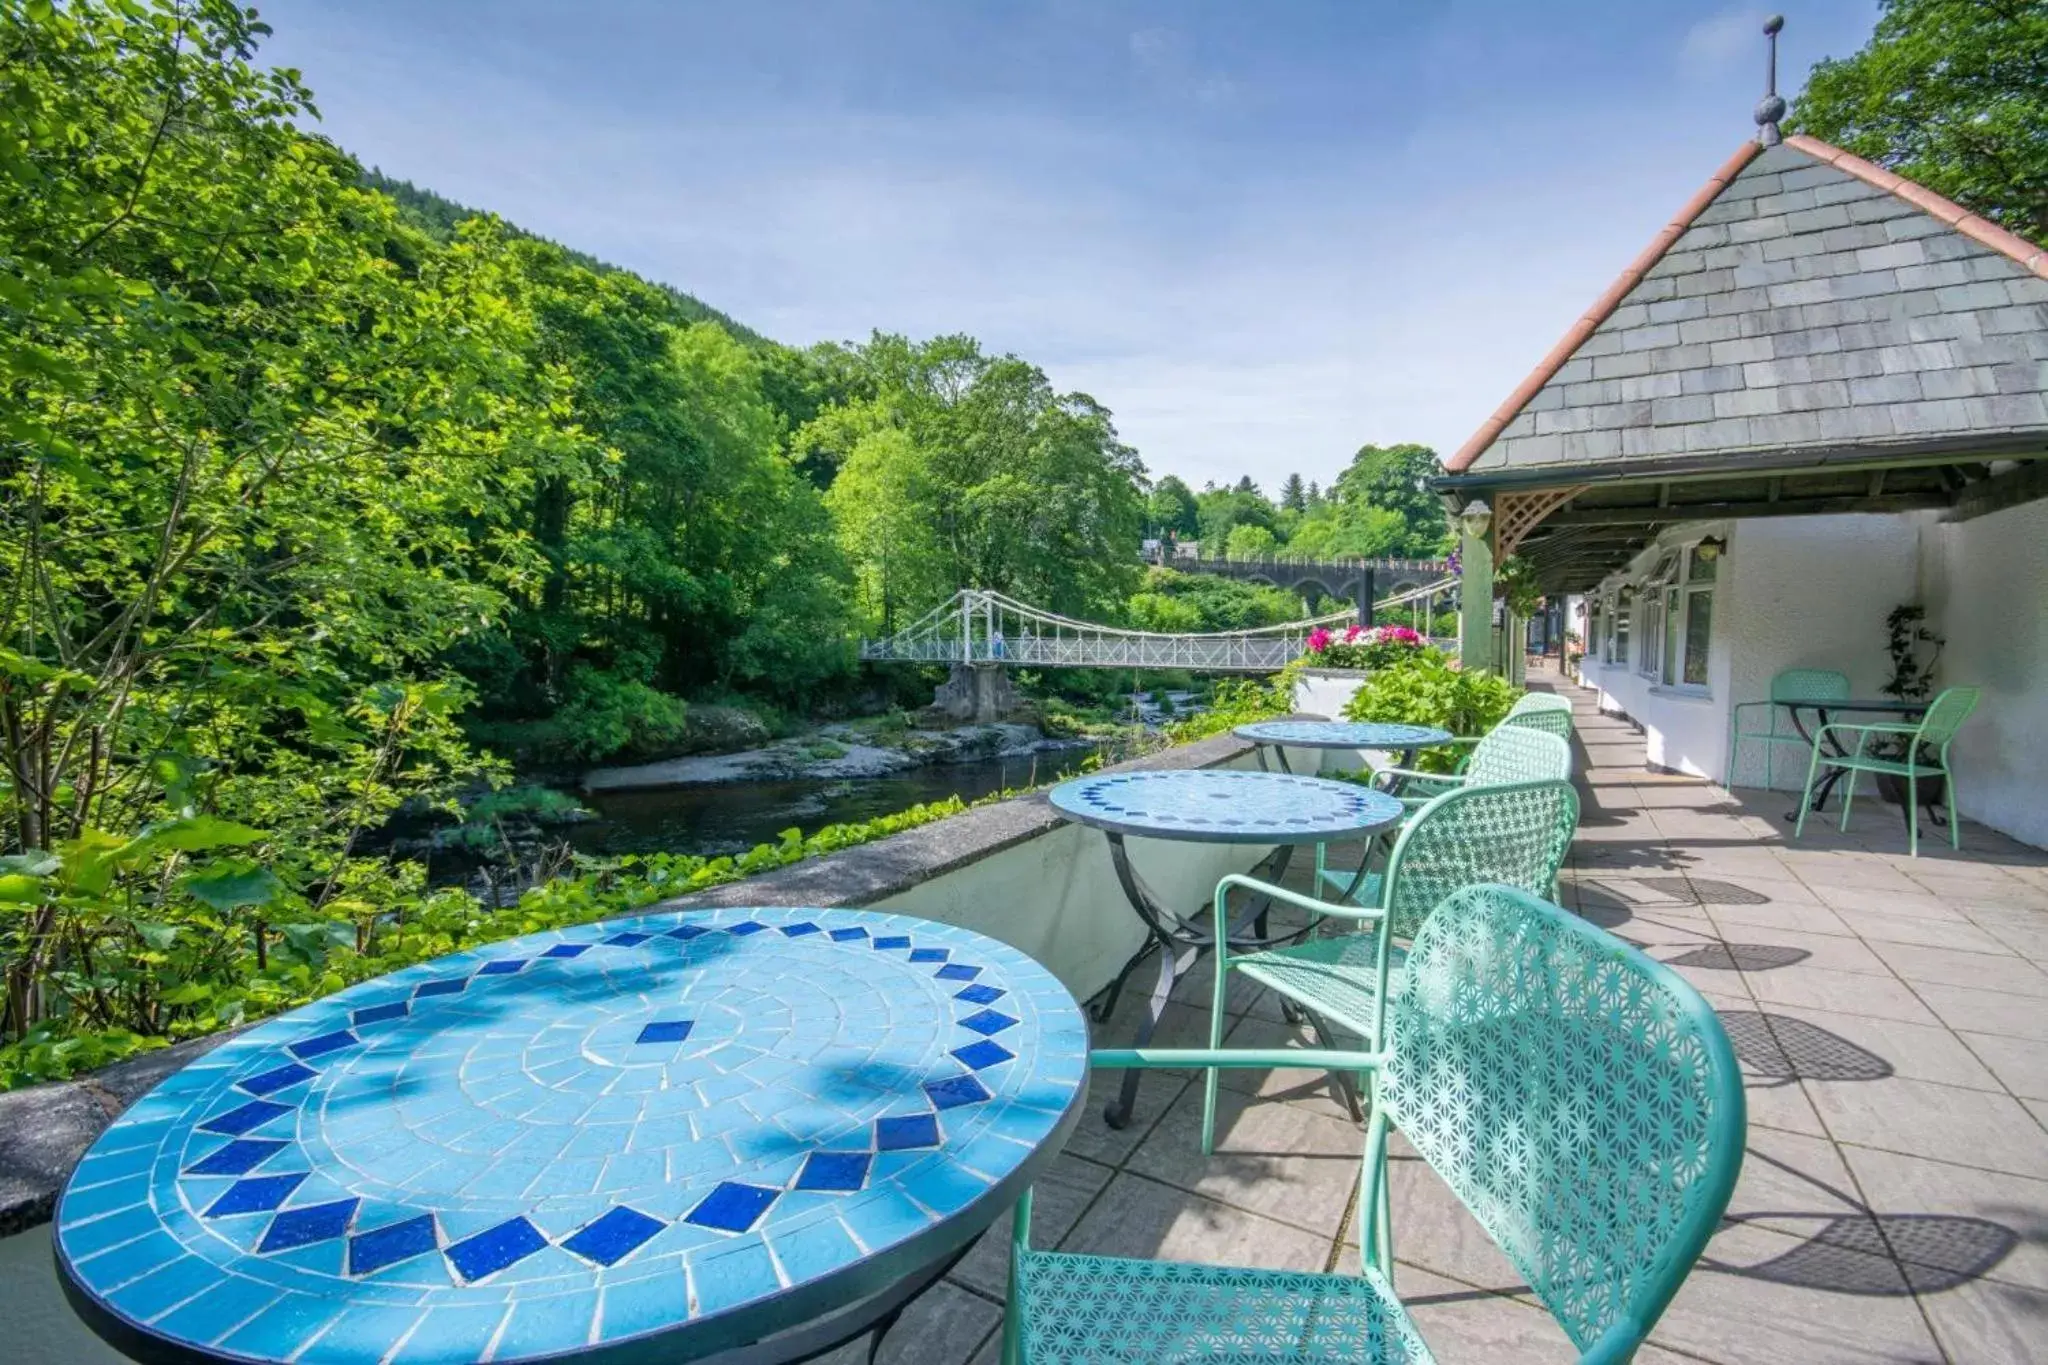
(1377, 507)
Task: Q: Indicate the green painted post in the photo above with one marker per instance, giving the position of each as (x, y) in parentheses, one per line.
(1475, 602)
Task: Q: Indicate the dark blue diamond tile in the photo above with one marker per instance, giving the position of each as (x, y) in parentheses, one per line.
(957, 971)
(504, 966)
(979, 995)
(303, 1227)
(834, 1171)
(884, 942)
(627, 940)
(955, 1091)
(495, 1248)
(908, 1130)
(454, 985)
(277, 1078)
(732, 1206)
(799, 930)
(567, 950)
(665, 1031)
(688, 932)
(308, 1048)
(612, 1237)
(928, 954)
(985, 1053)
(259, 1194)
(377, 1014)
(252, 1115)
(394, 1242)
(845, 935)
(236, 1158)
(742, 930)
(988, 1021)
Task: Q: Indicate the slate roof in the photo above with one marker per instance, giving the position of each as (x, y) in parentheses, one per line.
(1804, 300)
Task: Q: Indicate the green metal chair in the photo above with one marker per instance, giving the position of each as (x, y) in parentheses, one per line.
(1581, 1100)
(1794, 684)
(1513, 751)
(1545, 711)
(1515, 834)
(1935, 731)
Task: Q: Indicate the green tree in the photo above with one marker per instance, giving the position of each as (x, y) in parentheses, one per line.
(1222, 509)
(1250, 542)
(1170, 510)
(1293, 496)
(1015, 487)
(1952, 94)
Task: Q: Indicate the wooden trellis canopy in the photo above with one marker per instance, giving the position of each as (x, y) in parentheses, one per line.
(1517, 514)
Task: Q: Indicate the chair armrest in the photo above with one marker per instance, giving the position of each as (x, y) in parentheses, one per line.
(1453, 778)
(1237, 1059)
(1293, 898)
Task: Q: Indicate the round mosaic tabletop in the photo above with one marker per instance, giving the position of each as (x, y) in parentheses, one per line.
(1226, 806)
(642, 1139)
(1342, 734)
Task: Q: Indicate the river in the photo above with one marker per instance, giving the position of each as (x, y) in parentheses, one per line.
(733, 817)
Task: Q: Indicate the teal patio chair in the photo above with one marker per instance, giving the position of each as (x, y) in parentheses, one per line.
(1581, 1100)
(1511, 752)
(1933, 732)
(1794, 684)
(1515, 834)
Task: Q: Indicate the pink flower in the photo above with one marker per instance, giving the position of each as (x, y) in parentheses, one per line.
(1318, 640)
(1352, 633)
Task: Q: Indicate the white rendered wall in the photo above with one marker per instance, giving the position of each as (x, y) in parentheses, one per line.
(1987, 591)
(1793, 592)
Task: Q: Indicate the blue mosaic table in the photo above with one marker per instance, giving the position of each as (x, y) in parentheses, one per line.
(1210, 806)
(1340, 734)
(648, 1139)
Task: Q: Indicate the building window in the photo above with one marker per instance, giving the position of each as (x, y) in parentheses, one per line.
(1658, 602)
(1702, 562)
(1617, 628)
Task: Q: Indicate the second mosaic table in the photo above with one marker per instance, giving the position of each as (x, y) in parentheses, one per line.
(1387, 737)
(1212, 806)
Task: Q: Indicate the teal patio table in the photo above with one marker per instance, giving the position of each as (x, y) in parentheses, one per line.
(739, 1135)
(1210, 806)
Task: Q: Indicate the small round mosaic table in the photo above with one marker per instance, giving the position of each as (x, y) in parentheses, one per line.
(1208, 806)
(731, 1135)
(1278, 735)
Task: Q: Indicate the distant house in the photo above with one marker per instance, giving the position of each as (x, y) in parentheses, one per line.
(1821, 392)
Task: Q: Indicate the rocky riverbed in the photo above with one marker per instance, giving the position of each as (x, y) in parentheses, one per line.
(835, 752)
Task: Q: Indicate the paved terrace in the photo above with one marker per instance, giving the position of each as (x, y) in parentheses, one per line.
(1892, 1017)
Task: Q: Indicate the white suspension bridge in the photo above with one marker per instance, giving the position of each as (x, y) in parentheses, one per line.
(985, 628)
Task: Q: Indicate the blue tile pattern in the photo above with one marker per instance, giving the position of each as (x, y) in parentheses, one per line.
(524, 1152)
(1342, 734)
(1225, 806)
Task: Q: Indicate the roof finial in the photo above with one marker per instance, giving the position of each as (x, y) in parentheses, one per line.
(1771, 107)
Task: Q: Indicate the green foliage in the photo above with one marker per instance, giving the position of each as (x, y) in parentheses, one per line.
(967, 470)
(1235, 702)
(1915, 652)
(1170, 510)
(1173, 602)
(183, 977)
(604, 715)
(1250, 542)
(1424, 689)
(1379, 506)
(1952, 94)
(1223, 510)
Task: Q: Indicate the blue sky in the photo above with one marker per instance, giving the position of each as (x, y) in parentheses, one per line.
(1261, 233)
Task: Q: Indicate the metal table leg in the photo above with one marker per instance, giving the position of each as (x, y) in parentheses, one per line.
(1180, 946)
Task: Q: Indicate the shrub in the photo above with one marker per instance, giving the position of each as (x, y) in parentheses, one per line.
(1423, 689)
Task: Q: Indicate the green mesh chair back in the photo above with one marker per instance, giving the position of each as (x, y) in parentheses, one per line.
(1516, 833)
(1539, 702)
(1549, 719)
(1810, 684)
(1946, 715)
(1579, 1098)
(1511, 753)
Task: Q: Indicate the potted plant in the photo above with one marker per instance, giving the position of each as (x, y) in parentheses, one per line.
(1915, 650)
